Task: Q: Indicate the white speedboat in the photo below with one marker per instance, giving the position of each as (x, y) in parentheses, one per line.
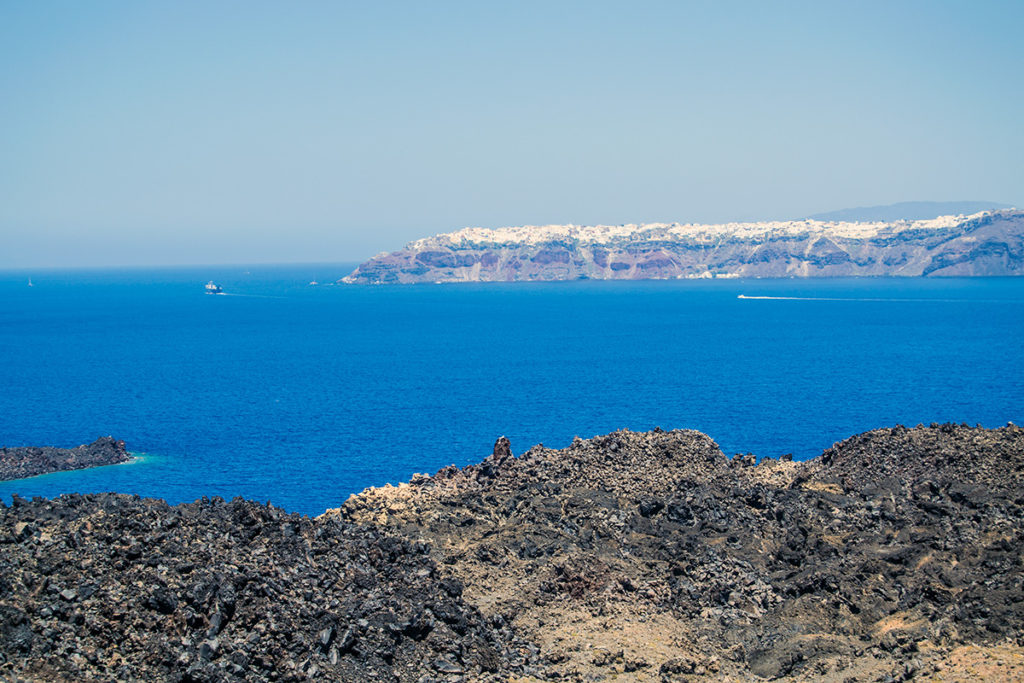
(212, 288)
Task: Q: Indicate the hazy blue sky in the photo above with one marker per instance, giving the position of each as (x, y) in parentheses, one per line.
(205, 132)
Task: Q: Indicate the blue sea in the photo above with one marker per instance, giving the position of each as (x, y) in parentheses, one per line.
(302, 395)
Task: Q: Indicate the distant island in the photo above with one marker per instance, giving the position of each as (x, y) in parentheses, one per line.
(986, 243)
(908, 211)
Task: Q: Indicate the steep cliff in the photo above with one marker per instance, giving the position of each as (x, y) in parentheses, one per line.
(986, 243)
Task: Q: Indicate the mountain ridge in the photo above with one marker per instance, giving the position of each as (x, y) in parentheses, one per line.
(909, 211)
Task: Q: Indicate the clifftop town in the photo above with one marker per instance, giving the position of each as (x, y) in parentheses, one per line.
(985, 243)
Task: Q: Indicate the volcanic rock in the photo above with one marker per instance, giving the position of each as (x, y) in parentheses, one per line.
(882, 554)
(21, 462)
(225, 591)
(897, 554)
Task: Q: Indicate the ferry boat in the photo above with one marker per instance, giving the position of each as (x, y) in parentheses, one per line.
(212, 288)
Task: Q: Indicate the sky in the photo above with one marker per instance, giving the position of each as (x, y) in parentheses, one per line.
(162, 133)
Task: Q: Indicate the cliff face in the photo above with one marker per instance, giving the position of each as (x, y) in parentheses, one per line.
(629, 556)
(988, 243)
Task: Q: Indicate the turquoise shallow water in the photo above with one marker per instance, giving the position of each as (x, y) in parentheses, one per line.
(303, 395)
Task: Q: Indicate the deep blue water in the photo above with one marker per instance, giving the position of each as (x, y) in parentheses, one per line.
(303, 395)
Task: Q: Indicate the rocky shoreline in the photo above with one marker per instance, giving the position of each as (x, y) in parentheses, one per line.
(895, 555)
(30, 461)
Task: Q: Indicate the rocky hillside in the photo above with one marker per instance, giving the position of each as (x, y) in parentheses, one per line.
(987, 243)
(20, 462)
(653, 555)
(897, 554)
(115, 588)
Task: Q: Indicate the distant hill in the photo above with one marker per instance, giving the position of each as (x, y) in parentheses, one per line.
(910, 211)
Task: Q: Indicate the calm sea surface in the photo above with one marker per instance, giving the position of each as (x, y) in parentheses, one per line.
(303, 395)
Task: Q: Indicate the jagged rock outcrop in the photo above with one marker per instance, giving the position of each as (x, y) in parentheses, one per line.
(21, 462)
(656, 557)
(897, 554)
(987, 243)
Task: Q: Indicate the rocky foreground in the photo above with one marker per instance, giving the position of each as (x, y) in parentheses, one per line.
(895, 555)
(986, 243)
(21, 462)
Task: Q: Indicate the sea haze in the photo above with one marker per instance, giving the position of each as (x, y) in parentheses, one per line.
(302, 395)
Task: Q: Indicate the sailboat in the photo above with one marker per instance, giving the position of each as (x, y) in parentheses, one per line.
(30, 283)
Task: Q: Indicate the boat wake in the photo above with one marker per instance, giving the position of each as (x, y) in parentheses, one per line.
(823, 298)
(813, 298)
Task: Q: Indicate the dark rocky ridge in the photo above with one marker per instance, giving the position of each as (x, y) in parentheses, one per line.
(29, 461)
(641, 556)
(652, 555)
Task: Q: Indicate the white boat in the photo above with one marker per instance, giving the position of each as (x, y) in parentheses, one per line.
(30, 283)
(212, 288)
